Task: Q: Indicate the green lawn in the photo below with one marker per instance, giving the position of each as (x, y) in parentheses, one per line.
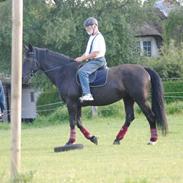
(131, 162)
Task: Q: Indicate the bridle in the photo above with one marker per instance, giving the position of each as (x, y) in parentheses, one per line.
(35, 65)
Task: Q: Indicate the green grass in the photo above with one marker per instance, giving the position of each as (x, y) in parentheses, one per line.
(131, 162)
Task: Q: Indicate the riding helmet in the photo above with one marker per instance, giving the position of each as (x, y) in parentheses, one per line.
(90, 21)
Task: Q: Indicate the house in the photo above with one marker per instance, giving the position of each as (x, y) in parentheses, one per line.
(149, 39)
(29, 100)
(150, 34)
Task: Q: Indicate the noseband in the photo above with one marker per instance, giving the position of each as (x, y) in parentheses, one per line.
(35, 65)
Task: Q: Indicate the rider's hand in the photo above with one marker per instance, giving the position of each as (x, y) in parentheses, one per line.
(79, 59)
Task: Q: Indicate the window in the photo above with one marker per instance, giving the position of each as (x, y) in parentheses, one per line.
(32, 96)
(147, 48)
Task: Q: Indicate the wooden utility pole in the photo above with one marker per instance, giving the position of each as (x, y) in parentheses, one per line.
(16, 85)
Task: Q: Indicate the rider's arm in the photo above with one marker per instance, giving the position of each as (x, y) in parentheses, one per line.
(85, 57)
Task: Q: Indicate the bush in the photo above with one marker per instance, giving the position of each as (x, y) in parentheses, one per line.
(48, 101)
(115, 110)
(175, 108)
(58, 116)
(169, 64)
(173, 90)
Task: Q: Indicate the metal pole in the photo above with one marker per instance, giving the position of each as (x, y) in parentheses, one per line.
(16, 85)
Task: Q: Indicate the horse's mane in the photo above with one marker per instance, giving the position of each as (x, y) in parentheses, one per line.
(56, 55)
(60, 56)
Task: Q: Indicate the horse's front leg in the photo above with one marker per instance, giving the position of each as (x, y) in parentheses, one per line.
(72, 110)
(83, 130)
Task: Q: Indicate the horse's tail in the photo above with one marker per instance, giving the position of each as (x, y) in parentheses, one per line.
(158, 100)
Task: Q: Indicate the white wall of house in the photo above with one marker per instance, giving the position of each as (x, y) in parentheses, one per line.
(150, 42)
(29, 99)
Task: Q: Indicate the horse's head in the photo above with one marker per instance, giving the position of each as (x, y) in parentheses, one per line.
(30, 64)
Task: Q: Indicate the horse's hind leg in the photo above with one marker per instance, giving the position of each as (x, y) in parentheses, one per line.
(151, 119)
(128, 103)
(83, 130)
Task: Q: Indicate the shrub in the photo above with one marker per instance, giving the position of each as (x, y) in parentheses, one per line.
(48, 101)
(175, 108)
(169, 64)
(115, 110)
(173, 90)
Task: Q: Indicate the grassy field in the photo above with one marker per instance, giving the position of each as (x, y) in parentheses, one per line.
(131, 162)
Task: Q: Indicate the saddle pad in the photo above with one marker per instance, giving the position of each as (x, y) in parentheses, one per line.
(97, 79)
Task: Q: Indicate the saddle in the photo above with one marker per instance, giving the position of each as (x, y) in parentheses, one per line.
(98, 78)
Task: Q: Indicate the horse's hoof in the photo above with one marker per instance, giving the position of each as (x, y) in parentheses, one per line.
(71, 141)
(68, 143)
(116, 142)
(94, 140)
(151, 142)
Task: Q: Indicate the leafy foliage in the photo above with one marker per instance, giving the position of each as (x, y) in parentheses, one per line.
(5, 36)
(65, 32)
(174, 27)
(169, 64)
(48, 101)
(60, 27)
(173, 91)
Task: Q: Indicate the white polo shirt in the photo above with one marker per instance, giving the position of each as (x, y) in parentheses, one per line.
(98, 45)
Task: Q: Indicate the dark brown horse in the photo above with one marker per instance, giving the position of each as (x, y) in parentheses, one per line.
(129, 82)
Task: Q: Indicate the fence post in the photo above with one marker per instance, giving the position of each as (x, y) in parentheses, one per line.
(94, 111)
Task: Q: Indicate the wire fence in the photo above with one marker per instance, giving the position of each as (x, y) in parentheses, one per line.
(50, 107)
(53, 106)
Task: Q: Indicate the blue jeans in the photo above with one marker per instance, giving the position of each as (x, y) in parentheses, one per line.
(87, 69)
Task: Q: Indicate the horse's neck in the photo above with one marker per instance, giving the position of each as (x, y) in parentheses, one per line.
(50, 60)
(53, 64)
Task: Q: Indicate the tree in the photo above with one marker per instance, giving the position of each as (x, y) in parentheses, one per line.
(65, 32)
(5, 36)
(35, 15)
(34, 12)
(174, 27)
(59, 27)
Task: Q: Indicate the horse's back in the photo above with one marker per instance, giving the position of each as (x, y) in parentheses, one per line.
(130, 72)
(133, 78)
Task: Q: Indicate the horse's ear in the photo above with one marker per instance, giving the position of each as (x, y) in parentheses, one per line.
(30, 48)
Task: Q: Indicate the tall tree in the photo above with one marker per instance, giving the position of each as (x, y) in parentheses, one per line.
(174, 27)
(64, 28)
(5, 36)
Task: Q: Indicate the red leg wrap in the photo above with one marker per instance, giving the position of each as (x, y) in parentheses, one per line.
(72, 138)
(85, 132)
(122, 133)
(154, 135)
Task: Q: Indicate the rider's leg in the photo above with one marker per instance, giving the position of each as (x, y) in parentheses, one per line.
(85, 71)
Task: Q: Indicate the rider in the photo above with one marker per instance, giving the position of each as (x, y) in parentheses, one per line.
(94, 56)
